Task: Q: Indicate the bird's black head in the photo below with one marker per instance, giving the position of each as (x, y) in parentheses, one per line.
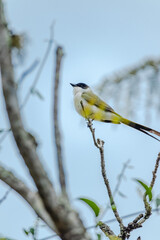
(81, 85)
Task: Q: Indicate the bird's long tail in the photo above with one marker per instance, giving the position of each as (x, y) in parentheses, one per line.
(141, 128)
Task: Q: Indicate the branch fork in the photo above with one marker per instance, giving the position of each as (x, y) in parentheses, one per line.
(140, 219)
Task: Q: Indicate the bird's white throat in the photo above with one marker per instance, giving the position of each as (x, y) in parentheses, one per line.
(80, 90)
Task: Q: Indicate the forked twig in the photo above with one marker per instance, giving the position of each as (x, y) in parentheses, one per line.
(45, 57)
(148, 209)
(140, 219)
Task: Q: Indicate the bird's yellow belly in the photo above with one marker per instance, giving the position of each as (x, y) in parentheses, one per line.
(92, 112)
(89, 111)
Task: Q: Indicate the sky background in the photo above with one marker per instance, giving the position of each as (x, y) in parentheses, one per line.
(99, 38)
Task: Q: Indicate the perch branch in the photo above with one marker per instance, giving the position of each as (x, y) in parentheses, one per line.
(100, 145)
(119, 181)
(57, 134)
(140, 219)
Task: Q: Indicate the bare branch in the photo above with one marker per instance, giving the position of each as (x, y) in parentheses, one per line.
(120, 177)
(137, 222)
(107, 231)
(57, 134)
(140, 219)
(99, 144)
(105, 228)
(67, 221)
(46, 54)
(113, 206)
(27, 71)
(119, 181)
(23, 139)
(32, 198)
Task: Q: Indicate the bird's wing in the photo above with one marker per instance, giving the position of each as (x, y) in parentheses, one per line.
(94, 100)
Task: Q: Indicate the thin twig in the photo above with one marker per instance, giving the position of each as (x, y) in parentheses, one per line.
(148, 209)
(100, 145)
(5, 134)
(57, 134)
(5, 195)
(46, 54)
(120, 177)
(139, 220)
(119, 181)
(155, 171)
(27, 71)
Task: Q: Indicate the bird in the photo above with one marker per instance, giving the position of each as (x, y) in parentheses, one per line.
(92, 107)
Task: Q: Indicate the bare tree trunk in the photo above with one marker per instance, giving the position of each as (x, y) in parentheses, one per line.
(55, 210)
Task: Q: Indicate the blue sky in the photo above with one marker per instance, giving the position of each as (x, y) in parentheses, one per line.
(99, 38)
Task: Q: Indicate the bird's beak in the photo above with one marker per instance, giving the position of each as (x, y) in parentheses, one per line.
(73, 85)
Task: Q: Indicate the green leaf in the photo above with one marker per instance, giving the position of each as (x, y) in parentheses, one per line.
(32, 231)
(26, 232)
(113, 207)
(98, 236)
(148, 189)
(149, 193)
(92, 205)
(157, 202)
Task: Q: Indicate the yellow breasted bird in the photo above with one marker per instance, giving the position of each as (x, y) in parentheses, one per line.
(90, 106)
